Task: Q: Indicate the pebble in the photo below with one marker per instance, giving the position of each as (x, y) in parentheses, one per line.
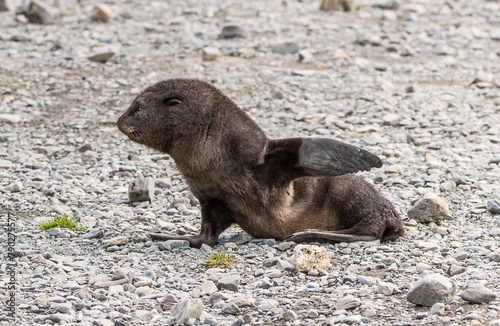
(493, 206)
(285, 48)
(429, 208)
(310, 257)
(185, 310)
(141, 190)
(477, 293)
(102, 12)
(101, 57)
(210, 53)
(39, 13)
(232, 31)
(229, 282)
(431, 289)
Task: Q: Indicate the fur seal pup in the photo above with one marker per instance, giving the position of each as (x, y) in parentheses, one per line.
(301, 189)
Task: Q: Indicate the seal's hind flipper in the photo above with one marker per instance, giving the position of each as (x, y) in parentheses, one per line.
(327, 236)
(330, 157)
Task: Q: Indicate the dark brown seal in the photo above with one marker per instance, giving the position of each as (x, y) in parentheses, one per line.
(300, 189)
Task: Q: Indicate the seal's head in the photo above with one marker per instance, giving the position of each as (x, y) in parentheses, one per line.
(169, 113)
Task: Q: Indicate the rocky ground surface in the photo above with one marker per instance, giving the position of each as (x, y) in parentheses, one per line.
(416, 82)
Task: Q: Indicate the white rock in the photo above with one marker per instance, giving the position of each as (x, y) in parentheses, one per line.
(310, 257)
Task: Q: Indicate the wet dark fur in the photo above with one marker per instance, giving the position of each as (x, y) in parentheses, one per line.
(270, 188)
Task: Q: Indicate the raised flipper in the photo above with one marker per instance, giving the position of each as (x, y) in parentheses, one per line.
(313, 235)
(287, 159)
(330, 157)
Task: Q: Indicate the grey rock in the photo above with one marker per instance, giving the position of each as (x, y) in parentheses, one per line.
(39, 13)
(348, 303)
(208, 287)
(230, 308)
(229, 282)
(187, 309)
(116, 241)
(431, 289)
(232, 31)
(345, 5)
(101, 57)
(11, 118)
(312, 313)
(173, 244)
(290, 315)
(310, 257)
(478, 293)
(437, 309)
(5, 5)
(141, 190)
(54, 231)
(93, 234)
(102, 12)
(493, 206)
(455, 269)
(429, 208)
(285, 48)
(143, 315)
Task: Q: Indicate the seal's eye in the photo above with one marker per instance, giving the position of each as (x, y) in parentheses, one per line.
(139, 111)
(171, 101)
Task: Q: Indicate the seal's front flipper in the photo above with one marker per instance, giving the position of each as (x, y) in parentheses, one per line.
(327, 236)
(330, 157)
(288, 159)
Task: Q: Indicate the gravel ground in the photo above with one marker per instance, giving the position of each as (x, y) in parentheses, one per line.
(416, 82)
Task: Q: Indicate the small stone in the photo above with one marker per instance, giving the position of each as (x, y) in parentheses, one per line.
(477, 293)
(101, 57)
(437, 309)
(15, 186)
(455, 269)
(116, 241)
(305, 56)
(232, 31)
(54, 232)
(185, 310)
(115, 289)
(391, 118)
(340, 54)
(285, 48)
(5, 5)
(10, 118)
(484, 77)
(208, 287)
(429, 208)
(141, 190)
(102, 12)
(290, 315)
(312, 313)
(173, 244)
(230, 308)
(346, 5)
(385, 288)
(310, 257)
(210, 54)
(431, 289)
(39, 13)
(142, 315)
(493, 206)
(60, 318)
(348, 303)
(229, 282)
(387, 4)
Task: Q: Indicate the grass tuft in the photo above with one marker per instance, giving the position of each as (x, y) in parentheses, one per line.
(219, 259)
(62, 221)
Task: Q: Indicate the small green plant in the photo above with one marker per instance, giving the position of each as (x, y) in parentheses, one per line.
(219, 259)
(62, 221)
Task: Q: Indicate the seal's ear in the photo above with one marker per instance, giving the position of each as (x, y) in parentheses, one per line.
(329, 157)
(287, 159)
